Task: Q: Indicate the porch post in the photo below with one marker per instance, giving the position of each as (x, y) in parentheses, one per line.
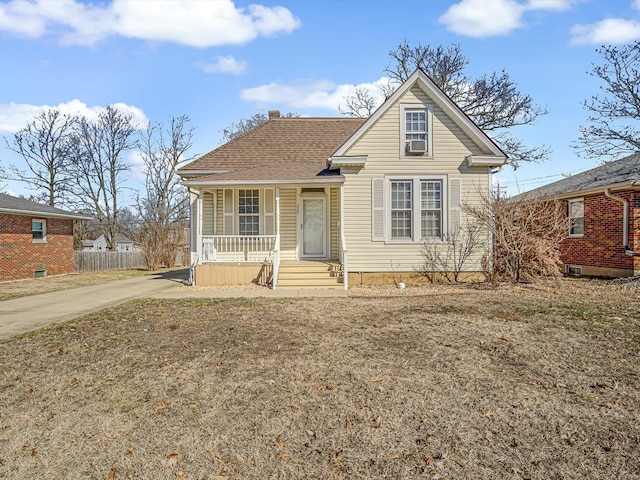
(345, 266)
(199, 228)
(277, 210)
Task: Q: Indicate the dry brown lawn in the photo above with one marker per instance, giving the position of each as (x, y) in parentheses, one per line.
(35, 286)
(529, 382)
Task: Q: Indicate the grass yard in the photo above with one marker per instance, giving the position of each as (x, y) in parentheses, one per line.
(34, 286)
(531, 382)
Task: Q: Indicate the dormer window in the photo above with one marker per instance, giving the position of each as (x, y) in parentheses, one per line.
(415, 130)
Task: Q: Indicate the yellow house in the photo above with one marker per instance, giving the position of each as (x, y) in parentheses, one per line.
(328, 202)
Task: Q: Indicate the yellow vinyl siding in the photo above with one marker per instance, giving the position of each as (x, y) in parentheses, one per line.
(207, 214)
(288, 222)
(381, 145)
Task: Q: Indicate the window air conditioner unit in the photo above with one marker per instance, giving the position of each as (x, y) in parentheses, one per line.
(416, 146)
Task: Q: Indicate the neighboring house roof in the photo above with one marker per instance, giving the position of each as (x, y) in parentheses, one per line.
(283, 148)
(120, 238)
(21, 206)
(616, 174)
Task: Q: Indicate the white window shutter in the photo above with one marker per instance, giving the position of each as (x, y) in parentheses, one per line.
(377, 209)
(455, 208)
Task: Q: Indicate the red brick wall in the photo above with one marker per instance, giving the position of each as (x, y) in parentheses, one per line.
(601, 245)
(20, 257)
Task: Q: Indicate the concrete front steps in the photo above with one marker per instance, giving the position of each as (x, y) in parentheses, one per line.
(305, 274)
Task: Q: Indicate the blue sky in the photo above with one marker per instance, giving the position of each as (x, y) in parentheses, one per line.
(219, 61)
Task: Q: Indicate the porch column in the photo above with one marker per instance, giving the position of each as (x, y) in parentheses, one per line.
(277, 210)
(343, 242)
(199, 228)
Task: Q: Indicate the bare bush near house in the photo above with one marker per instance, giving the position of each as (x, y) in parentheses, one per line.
(448, 259)
(526, 232)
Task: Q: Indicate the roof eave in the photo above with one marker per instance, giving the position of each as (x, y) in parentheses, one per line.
(226, 183)
(336, 162)
(632, 184)
(486, 161)
(33, 213)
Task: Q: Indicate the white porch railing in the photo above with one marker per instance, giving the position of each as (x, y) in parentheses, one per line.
(237, 248)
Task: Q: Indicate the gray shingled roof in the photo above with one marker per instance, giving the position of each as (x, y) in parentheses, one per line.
(282, 148)
(21, 206)
(618, 172)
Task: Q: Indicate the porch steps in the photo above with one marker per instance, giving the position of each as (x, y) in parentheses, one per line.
(295, 275)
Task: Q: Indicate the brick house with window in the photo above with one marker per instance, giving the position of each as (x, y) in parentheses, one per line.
(603, 205)
(328, 202)
(35, 240)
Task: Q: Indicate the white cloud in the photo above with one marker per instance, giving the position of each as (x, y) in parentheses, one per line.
(15, 116)
(483, 18)
(311, 94)
(610, 30)
(488, 18)
(553, 5)
(193, 23)
(226, 64)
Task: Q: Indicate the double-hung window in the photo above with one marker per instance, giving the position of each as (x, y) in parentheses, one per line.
(39, 231)
(249, 212)
(415, 209)
(431, 208)
(401, 209)
(415, 123)
(576, 217)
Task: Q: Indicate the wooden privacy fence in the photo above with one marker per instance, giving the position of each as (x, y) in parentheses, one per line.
(93, 261)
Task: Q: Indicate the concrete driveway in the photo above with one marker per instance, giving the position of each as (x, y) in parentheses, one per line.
(24, 314)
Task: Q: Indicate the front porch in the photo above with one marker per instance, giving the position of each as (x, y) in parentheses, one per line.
(283, 237)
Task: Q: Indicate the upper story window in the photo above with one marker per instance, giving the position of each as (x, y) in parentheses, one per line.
(415, 130)
(576, 217)
(415, 123)
(39, 231)
(249, 212)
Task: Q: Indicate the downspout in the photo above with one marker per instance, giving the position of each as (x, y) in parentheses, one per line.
(625, 220)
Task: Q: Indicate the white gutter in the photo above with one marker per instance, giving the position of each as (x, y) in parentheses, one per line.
(212, 183)
(625, 220)
(32, 213)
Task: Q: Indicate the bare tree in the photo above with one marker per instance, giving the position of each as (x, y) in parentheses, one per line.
(492, 101)
(526, 233)
(98, 165)
(361, 104)
(163, 207)
(44, 146)
(245, 124)
(612, 130)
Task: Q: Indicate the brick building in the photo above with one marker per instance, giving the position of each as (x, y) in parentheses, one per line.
(604, 207)
(35, 240)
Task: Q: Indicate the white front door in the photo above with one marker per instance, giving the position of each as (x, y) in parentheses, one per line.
(314, 224)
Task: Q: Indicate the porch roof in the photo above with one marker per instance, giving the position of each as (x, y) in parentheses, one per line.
(283, 149)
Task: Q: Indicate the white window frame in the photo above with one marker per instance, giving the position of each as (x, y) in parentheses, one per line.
(409, 107)
(571, 218)
(44, 230)
(252, 214)
(416, 207)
